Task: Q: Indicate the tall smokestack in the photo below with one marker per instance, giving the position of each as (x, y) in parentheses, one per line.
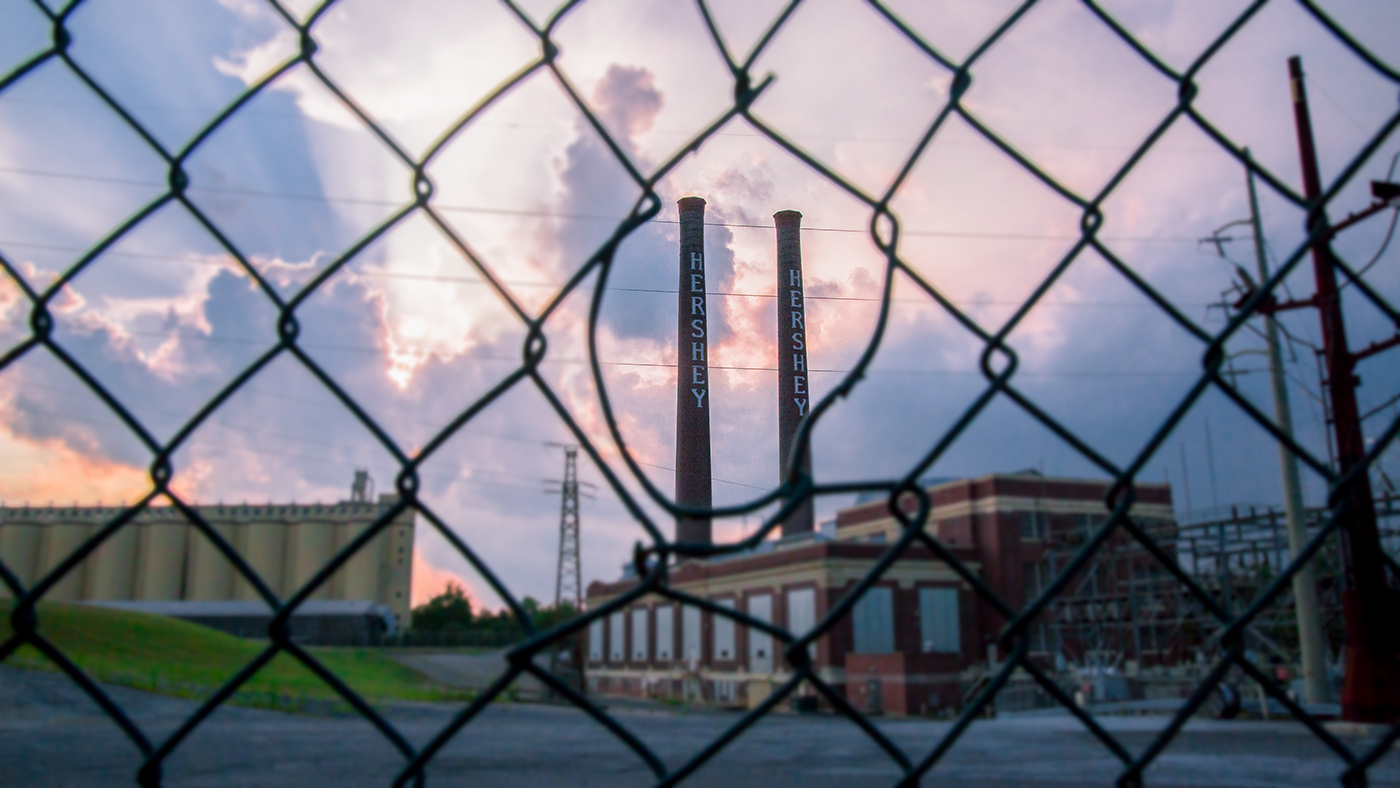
(794, 393)
(693, 383)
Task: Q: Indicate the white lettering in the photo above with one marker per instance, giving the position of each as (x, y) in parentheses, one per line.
(795, 299)
(797, 321)
(697, 351)
(697, 328)
(797, 341)
(801, 406)
(794, 278)
(699, 397)
(697, 305)
(797, 385)
(799, 364)
(697, 261)
(697, 283)
(697, 375)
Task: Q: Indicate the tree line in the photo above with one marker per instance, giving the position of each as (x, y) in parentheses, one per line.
(451, 611)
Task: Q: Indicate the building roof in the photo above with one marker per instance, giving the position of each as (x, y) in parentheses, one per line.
(1023, 485)
(247, 608)
(814, 551)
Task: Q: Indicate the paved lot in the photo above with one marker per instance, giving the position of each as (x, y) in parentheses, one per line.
(473, 671)
(51, 735)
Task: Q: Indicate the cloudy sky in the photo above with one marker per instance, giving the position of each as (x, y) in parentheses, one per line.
(165, 318)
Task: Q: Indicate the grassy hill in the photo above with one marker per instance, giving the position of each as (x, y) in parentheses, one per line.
(179, 658)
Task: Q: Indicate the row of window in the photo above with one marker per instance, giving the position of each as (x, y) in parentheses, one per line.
(872, 621)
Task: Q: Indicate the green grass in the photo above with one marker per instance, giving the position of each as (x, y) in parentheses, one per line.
(188, 660)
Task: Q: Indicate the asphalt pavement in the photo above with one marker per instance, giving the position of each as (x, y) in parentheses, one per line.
(53, 735)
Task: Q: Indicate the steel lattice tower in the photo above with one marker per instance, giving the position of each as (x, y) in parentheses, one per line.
(569, 581)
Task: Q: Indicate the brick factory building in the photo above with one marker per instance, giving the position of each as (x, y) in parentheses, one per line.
(911, 645)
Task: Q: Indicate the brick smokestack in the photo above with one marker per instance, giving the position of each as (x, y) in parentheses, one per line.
(794, 392)
(693, 383)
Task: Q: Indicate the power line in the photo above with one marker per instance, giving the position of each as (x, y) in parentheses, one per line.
(535, 213)
(672, 364)
(392, 275)
(446, 120)
(244, 430)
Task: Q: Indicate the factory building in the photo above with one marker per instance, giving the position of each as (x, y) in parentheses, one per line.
(160, 557)
(913, 644)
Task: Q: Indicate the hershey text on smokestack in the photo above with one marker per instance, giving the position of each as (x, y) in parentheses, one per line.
(700, 366)
(693, 399)
(799, 341)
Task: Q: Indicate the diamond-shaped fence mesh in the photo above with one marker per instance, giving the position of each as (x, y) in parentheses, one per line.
(909, 503)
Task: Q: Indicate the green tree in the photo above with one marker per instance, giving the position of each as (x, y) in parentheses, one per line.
(449, 610)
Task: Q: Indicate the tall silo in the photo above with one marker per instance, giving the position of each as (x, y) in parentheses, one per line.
(20, 541)
(263, 545)
(310, 546)
(112, 566)
(64, 534)
(360, 576)
(163, 556)
(209, 573)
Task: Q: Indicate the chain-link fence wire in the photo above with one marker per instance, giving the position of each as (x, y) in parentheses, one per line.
(998, 364)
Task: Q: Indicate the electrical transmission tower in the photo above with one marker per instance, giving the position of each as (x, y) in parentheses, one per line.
(566, 658)
(569, 580)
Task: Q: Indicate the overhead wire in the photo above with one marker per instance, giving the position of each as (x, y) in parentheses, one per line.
(441, 278)
(245, 429)
(515, 359)
(536, 213)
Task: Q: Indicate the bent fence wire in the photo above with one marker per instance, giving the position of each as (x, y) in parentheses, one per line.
(999, 365)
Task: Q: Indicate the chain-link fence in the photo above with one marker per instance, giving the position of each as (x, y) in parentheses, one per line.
(999, 365)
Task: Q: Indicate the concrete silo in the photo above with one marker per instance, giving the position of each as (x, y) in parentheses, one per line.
(65, 532)
(209, 573)
(360, 577)
(262, 541)
(310, 546)
(163, 561)
(21, 539)
(111, 568)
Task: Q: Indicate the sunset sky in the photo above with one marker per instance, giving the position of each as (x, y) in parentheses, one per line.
(165, 318)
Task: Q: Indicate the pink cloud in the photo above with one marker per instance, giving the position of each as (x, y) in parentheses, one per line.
(430, 581)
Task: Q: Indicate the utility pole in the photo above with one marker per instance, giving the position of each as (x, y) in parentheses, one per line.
(1313, 651)
(1371, 688)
